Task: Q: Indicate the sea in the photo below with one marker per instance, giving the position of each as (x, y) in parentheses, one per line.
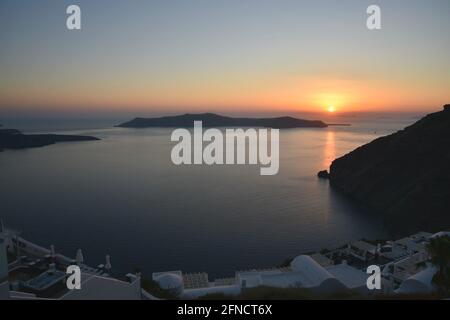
(124, 197)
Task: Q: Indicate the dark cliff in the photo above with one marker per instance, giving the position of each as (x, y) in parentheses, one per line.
(404, 177)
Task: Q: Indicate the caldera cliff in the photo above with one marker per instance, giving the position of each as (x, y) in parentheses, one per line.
(403, 177)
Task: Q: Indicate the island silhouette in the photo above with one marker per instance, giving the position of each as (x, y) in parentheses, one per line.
(15, 139)
(215, 120)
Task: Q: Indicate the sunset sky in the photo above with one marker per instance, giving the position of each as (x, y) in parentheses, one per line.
(223, 56)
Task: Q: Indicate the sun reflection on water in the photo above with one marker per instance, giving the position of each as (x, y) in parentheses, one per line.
(330, 149)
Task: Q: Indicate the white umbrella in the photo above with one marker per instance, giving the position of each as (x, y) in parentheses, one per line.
(108, 262)
(79, 258)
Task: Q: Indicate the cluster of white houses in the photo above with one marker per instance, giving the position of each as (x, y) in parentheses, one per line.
(30, 272)
(405, 265)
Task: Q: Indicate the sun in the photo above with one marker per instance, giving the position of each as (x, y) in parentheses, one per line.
(331, 109)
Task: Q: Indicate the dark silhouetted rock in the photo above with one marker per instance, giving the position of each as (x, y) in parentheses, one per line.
(9, 131)
(14, 139)
(323, 174)
(404, 177)
(214, 120)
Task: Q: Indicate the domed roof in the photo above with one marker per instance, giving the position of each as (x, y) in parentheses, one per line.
(421, 282)
(311, 268)
(169, 281)
(312, 275)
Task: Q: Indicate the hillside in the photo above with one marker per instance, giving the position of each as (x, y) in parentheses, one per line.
(404, 177)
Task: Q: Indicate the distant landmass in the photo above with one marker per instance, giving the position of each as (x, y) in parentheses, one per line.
(403, 177)
(215, 120)
(14, 139)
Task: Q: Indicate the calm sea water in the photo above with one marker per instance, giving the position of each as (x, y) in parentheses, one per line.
(122, 196)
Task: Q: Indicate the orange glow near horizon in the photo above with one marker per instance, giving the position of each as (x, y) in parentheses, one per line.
(331, 101)
(227, 91)
(142, 99)
(315, 94)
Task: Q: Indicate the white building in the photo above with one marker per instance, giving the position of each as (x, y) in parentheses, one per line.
(322, 260)
(170, 280)
(95, 287)
(4, 285)
(406, 270)
(361, 250)
(407, 246)
(350, 277)
(304, 272)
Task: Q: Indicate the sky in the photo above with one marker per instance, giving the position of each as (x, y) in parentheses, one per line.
(169, 56)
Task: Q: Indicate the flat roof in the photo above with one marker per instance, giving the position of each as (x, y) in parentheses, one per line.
(363, 245)
(321, 259)
(195, 280)
(96, 287)
(349, 276)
